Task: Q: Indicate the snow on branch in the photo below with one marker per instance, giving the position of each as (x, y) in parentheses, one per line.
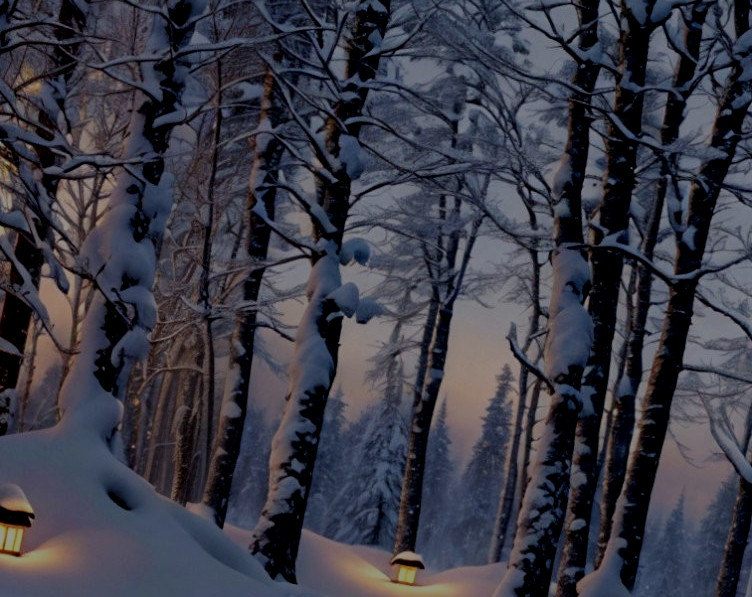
(720, 429)
(520, 355)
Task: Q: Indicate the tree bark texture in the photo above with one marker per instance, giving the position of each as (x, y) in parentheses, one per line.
(542, 511)
(260, 208)
(625, 392)
(613, 223)
(629, 522)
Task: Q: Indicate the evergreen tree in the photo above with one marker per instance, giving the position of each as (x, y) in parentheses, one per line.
(438, 484)
(330, 464)
(252, 470)
(708, 549)
(368, 504)
(664, 571)
(482, 480)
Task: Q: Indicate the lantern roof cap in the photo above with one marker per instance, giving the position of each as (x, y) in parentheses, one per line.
(408, 558)
(14, 506)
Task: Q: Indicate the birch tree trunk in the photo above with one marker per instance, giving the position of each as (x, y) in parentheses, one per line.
(567, 345)
(276, 538)
(628, 529)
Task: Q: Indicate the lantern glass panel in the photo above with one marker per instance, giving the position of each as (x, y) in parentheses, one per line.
(3, 531)
(406, 575)
(19, 538)
(10, 539)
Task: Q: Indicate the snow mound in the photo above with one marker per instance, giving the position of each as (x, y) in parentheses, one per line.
(100, 529)
(337, 570)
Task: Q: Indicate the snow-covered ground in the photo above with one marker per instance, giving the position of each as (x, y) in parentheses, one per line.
(100, 530)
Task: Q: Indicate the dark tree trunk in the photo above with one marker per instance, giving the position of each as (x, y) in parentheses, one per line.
(625, 392)
(542, 511)
(276, 538)
(260, 208)
(185, 427)
(619, 181)
(629, 522)
(412, 483)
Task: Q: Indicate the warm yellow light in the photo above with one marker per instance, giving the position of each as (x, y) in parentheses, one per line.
(406, 574)
(10, 539)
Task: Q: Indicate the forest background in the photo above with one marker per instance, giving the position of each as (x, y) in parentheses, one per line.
(441, 154)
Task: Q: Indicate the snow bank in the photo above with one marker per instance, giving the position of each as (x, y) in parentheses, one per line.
(102, 530)
(337, 570)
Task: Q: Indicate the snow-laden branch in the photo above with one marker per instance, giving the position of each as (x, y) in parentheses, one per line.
(720, 429)
(523, 359)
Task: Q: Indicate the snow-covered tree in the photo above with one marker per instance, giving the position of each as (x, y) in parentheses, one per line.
(480, 488)
(276, 537)
(122, 251)
(667, 568)
(368, 501)
(691, 240)
(710, 538)
(567, 343)
(261, 206)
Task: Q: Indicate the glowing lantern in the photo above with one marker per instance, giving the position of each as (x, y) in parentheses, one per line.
(15, 518)
(408, 563)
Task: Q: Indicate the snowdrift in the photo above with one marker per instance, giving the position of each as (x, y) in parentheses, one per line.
(101, 530)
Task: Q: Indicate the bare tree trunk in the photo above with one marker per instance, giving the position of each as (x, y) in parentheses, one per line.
(629, 520)
(260, 209)
(625, 392)
(160, 424)
(185, 428)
